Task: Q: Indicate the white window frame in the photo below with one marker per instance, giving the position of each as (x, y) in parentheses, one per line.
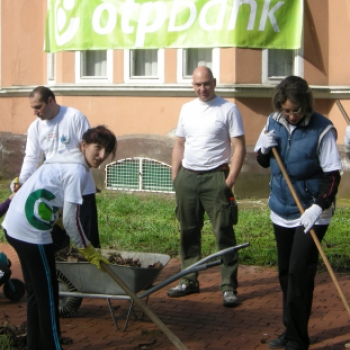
(298, 67)
(90, 79)
(180, 66)
(128, 78)
(49, 58)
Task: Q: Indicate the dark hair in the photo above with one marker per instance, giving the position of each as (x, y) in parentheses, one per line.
(103, 136)
(44, 94)
(297, 91)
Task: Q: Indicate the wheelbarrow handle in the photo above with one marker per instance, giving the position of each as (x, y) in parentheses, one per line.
(172, 337)
(198, 266)
(190, 269)
(221, 252)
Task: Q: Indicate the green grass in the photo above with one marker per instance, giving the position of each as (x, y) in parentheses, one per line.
(147, 223)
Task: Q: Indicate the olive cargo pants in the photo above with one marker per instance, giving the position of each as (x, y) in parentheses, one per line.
(196, 194)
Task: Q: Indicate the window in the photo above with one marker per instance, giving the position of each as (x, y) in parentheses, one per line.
(190, 59)
(51, 68)
(139, 174)
(278, 64)
(94, 66)
(143, 65)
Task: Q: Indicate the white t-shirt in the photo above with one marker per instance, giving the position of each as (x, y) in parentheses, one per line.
(329, 159)
(33, 209)
(65, 131)
(208, 128)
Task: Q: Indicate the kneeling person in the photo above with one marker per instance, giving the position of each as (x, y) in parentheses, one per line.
(58, 183)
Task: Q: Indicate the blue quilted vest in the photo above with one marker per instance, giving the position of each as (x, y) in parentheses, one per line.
(298, 153)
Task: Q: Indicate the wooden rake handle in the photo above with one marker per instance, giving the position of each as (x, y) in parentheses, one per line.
(312, 232)
(172, 337)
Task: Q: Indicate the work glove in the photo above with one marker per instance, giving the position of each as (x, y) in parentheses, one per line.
(59, 220)
(267, 141)
(93, 256)
(15, 185)
(347, 136)
(310, 216)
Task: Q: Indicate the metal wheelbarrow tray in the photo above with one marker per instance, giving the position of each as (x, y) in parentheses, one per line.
(81, 279)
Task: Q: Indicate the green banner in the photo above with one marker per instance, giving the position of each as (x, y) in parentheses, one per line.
(137, 24)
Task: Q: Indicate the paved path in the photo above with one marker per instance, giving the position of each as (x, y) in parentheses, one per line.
(199, 320)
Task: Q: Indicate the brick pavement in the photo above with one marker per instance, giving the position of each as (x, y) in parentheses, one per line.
(199, 320)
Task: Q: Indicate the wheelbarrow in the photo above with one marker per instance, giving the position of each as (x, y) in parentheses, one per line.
(13, 288)
(81, 279)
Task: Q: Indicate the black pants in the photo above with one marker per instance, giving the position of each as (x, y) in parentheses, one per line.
(89, 221)
(39, 272)
(297, 265)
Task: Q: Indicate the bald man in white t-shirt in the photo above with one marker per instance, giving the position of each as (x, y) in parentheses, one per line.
(204, 169)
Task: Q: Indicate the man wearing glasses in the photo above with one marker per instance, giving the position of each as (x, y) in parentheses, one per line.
(306, 143)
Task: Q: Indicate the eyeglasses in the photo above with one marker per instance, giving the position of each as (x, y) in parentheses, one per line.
(286, 112)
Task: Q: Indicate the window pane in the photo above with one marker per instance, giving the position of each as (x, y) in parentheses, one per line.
(94, 63)
(195, 58)
(281, 63)
(144, 63)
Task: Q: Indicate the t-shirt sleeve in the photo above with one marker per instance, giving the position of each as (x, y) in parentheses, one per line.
(81, 124)
(180, 132)
(328, 154)
(32, 154)
(74, 184)
(235, 123)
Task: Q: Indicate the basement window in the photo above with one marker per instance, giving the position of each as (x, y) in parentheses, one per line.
(139, 174)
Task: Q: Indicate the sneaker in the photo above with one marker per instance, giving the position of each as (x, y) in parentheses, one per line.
(230, 299)
(183, 289)
(279, 343)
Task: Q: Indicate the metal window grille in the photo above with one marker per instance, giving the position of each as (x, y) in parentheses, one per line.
(139, 174)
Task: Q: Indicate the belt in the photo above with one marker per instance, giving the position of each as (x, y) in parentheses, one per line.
(223, 167)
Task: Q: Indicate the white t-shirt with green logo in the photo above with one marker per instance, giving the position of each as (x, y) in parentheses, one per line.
(33, 210)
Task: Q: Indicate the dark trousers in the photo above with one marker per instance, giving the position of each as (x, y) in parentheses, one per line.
(297, 265)
(196, 194)
(89, 221)
(39, 272)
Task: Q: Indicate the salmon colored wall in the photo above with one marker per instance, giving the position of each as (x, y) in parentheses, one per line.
(316, 41)
(118, 66)
(227, 66)
(170, 59)
(22, 38)
(248, 66)
(339, 44)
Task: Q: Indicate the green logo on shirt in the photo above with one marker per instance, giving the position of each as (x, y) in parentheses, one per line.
(39, 212)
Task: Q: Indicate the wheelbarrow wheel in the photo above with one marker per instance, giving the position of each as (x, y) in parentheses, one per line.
(14, 289)
(66, 305)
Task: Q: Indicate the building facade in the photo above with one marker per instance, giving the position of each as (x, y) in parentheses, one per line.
(139, 93)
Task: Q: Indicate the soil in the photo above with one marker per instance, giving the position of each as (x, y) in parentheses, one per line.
(71, 254)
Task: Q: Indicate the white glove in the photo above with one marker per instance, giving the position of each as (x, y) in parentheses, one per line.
(267, 141)
(310, 216)
(347, 136)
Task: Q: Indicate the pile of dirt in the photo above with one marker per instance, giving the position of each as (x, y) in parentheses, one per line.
(71, 254)
(17, 336)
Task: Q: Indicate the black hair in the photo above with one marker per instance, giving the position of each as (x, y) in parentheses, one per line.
(103, 136)
(297, 91)
(44, 94)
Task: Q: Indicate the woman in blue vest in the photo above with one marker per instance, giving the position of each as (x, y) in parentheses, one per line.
(306, 143)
